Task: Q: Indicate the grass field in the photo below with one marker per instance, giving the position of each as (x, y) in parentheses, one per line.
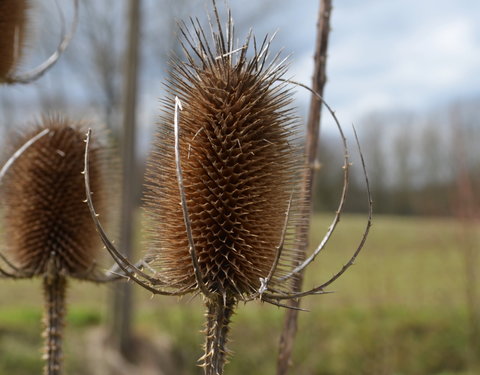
(401, 310)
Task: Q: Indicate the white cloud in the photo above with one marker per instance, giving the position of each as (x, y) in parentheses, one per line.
(399, 54)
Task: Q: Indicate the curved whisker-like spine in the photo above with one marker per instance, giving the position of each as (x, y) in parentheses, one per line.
(9, 263)
(343, 196)
(320, 289)
(130, 270)
(278, 304)
(188, 227)
(19, 153)
(264, 281)
(40, 70)
(17, 273)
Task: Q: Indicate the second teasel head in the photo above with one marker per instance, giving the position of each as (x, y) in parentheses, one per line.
(46, 221)
(240, 160)
(13, 20)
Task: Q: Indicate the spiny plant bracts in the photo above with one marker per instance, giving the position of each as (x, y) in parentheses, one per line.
(46, 219)
(240, 162)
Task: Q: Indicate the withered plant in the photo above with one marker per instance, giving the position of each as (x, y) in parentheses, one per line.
(223, 198)
(47, 227)
(14, 21)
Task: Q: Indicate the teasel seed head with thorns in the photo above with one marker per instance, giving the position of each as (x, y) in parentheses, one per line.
(223, 196)
(14, 22)
(47, 227)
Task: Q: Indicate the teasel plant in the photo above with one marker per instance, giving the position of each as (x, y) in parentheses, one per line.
(48, 232)
(14, 23)
(223, 198)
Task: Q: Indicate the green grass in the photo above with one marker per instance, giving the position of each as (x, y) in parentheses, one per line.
(400, 310)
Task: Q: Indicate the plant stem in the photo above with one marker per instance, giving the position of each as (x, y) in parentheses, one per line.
(219, 313)
(313, 127)
(54, 286)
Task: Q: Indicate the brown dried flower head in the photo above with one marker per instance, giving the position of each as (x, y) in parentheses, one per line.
(45, 217)
(13, 18)
(240, 161)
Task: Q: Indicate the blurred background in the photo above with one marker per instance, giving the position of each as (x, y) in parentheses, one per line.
(405, 73)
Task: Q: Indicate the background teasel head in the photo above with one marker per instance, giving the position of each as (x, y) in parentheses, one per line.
(13, 20)
(47, 226)
(45, 219)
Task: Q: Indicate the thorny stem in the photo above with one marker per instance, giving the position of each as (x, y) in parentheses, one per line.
(219, 313)
(54, 286)
(319, 79)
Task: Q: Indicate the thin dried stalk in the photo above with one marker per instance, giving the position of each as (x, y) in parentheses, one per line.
(319, 79)
(54, 287)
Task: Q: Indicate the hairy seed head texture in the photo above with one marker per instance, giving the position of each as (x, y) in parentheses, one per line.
(13, 18)
(45, 217)
(241, 163)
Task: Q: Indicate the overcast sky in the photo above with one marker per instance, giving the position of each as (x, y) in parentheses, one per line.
(383, 55)
(393, 54)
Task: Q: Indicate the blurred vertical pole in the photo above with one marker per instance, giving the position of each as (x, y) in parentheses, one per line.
(466, 209)
(122, 316)
(319, 79)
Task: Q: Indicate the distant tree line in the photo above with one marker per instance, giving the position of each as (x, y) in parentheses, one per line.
(414, 161)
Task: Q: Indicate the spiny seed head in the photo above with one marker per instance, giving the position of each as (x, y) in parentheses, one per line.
(45, 218)
(240, 162)
(13, 18)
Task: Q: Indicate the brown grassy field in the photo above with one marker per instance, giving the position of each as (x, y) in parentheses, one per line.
(400, 310)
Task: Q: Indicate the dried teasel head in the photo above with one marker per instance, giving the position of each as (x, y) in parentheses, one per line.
(46, 222)
(240, 160)
(224, 203)
(13, 19)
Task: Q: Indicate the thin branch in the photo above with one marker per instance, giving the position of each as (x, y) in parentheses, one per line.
(313, 129)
